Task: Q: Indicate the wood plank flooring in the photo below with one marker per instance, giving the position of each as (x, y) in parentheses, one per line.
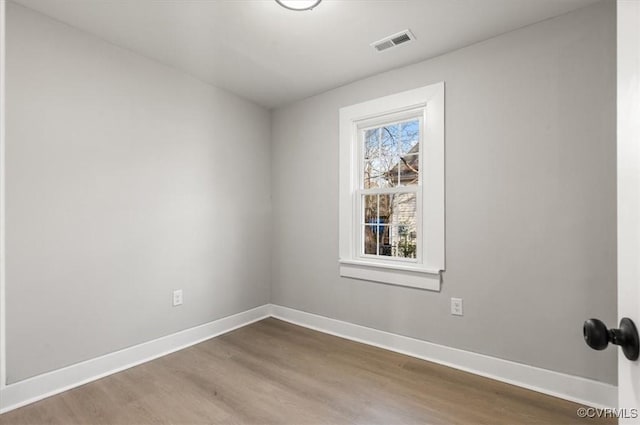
(272, 372)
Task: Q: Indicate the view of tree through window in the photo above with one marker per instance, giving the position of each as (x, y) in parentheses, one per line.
(391, 160)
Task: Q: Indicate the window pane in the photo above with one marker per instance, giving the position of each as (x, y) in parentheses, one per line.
(404, 242)
(389, 170)
(389, 139)
(371, 158)
(409, 137)
(409, 167)
(370, 240)
(376, 173)
(385, 247)
(386, 208)
(371, 143)
(369, 173)
(381, 172)
(403, 237)
(370, 205)
(404, 209)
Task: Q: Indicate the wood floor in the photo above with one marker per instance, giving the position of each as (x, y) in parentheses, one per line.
(272, 372)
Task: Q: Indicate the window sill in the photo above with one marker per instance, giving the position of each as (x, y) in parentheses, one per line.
(401, 275)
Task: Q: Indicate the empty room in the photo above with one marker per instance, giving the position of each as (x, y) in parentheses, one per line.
(319, 212)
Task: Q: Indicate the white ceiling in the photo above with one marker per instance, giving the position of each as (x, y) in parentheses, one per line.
(272, 55)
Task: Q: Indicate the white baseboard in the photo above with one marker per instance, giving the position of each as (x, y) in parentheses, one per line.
(573, 388)
(568, 387)
(33, 389)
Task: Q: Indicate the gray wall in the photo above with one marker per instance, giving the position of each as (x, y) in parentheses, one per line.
(125, 179)
(530, 209)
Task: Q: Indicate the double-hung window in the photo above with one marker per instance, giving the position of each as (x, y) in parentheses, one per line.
(392, 189)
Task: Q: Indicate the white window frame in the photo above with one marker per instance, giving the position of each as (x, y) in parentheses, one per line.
(425, 270)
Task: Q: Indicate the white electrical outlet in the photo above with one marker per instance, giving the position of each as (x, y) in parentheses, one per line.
(177, 297)
(456, 306)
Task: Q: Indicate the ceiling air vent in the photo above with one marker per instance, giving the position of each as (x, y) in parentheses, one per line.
(393, 40)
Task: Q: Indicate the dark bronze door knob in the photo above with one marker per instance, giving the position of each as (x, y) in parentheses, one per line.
(598, 337)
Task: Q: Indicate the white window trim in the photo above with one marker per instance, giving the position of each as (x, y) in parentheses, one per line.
(424, 273)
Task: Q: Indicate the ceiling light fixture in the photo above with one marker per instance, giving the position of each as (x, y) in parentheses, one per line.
(299, 4)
